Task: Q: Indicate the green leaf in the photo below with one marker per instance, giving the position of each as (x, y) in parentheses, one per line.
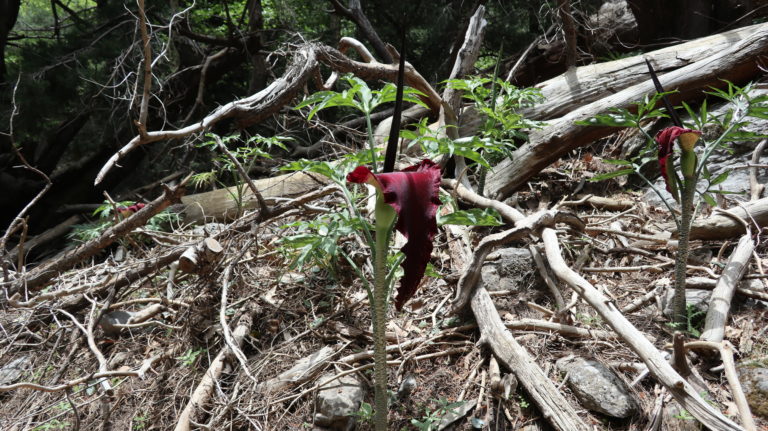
(472, 217)
(318, 167)
(618, 162)
(620, 118)
(720, 178)
(709, 199)
(614, 174)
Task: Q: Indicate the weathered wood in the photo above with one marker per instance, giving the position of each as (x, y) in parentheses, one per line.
(684, 392)
(720, 302)
(718, 226)
(736, 64)
(554, 407)
(204, 389)
(220, 205)
(594, 81)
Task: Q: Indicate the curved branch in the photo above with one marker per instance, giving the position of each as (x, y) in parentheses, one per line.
(257, 107)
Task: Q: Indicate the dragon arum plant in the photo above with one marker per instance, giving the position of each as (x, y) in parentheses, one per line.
(406, 200)
(682, 166)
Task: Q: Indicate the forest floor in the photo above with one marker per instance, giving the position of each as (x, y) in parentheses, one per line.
(153, 368)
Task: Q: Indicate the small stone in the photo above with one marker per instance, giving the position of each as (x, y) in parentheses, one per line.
(597, 387)
(12, 371)
(337, 402)
(109, 320)
(510, 269)
(754, 379)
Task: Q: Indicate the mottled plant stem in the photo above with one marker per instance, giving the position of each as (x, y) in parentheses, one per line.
(679, 316)
(379, 318)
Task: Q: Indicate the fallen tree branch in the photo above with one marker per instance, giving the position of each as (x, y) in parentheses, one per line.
(469, 279)
(257, 107)
(554, 407)
(736, 64)
(683, 391)
(726, 349)
(40, 276)
(720, 301)
(204, 389)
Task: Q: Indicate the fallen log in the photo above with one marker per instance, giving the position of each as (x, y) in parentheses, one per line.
(221, 205)
(720, 226)
(592, 82)
(738, 64)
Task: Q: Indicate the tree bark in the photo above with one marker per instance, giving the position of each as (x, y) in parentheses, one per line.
(595, 81)
(9, 12)
(737, 64)
(355, 14)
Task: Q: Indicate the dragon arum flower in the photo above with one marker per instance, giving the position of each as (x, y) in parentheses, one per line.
(687, 139)
(413, 194)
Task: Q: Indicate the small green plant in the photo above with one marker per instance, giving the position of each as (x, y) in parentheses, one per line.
(431, 419)
(683, 167)
(365, 413)
(53, 424)
(246, 154)
(108, 214)
(523, 402)
(140, 422)
(360, 97)
(190, 357)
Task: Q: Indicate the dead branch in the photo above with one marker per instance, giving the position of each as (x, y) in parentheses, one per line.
(140, 372)
(257, 107)
(204, 389)
(683, 391)
(726, 350)
(41, 275)
(355, 14)
(721, 226)
(756, 189)
(554, 407)
(720, 302)
(587, 84)
(560, 136)
(471, 276)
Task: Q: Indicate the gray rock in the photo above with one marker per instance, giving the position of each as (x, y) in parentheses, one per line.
(754, 379)
(699, 299)
(109, 320)
(597, 387)
(11, 372)
(510, 269)
(337, 401)
(455, 414)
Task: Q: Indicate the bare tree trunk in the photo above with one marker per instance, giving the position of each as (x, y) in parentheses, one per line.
(355, 14)
(254, 46)
(569, 28)
(9, 11)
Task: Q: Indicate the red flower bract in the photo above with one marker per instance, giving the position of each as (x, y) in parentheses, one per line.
(413, 194)
(666, 140)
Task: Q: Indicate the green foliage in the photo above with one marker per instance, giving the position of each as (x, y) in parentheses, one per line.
(246, 153)
(500, 102)
(432, 418)
(106, 218)
(364, 413)
(732, 123)
(189, 357)
(140, 422)
(335, 171)
(53, 424)
(317, 240)
(358, 96)
(472, 217)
